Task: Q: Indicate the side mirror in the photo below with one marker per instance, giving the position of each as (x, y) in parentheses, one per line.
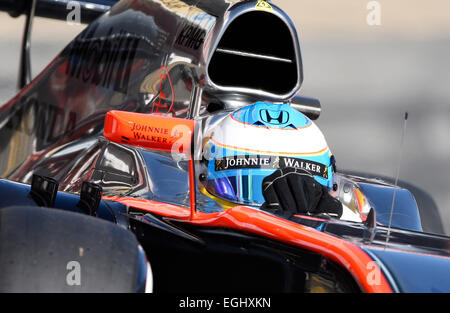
(309, 106)
(149, 131)
(154, 132)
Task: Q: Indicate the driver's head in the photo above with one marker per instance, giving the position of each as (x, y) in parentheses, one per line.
(254, 141)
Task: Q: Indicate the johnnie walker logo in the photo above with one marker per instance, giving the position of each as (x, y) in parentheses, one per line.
(270, 162)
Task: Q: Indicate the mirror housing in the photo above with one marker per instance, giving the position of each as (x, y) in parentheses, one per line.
(149, 131)
(311, 107)
(156, 132)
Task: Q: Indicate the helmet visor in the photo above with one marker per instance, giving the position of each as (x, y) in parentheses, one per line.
(241, 186)
(239, 179)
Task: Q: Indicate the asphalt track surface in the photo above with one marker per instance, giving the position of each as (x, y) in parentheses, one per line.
(365, 76)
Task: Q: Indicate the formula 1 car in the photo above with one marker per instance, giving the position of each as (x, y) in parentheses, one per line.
(100, 187)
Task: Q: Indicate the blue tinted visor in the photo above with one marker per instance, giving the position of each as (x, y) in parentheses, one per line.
(239, 178)
(239, 186)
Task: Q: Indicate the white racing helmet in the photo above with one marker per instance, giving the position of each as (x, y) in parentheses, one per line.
(253, 142)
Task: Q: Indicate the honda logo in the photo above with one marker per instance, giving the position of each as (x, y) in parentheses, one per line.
(274, 117)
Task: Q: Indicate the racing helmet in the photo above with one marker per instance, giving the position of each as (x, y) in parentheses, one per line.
(253, 142)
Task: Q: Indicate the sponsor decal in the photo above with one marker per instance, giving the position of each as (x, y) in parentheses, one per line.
(274, 117)
(103, 61)
(191, 37)
(262, 5)
(270, 162)
(149, 133)
(59, 121)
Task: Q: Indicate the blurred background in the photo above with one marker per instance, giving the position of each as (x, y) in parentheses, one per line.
(365, 76)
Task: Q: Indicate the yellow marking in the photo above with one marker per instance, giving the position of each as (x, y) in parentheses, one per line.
(276, 163)
(262, 5)
(225, 204)
(18, 147)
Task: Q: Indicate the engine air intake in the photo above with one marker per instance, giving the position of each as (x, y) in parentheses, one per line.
(256, 52)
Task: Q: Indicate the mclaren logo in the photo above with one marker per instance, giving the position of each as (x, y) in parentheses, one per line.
(274, 117)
